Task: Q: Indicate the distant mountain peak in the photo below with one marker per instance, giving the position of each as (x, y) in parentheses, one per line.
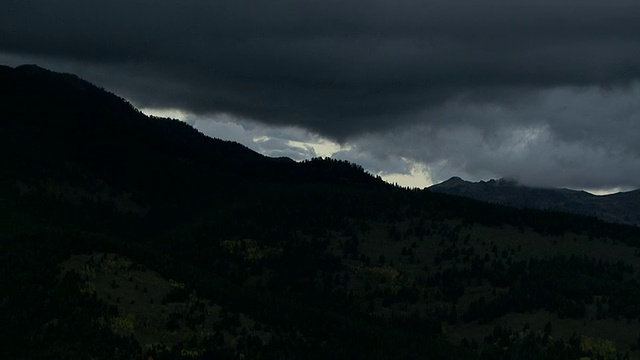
(621, 208)
(502, 182)
(458, 181)
(455, 180)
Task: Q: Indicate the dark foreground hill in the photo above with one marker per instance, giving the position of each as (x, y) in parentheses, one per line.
(622, 207)
(124, 236)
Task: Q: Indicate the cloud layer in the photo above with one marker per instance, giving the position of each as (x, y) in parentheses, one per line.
(545, 91)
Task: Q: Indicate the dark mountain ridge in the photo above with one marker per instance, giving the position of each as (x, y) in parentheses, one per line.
(124, 236)
(60, 128)
(622, 207)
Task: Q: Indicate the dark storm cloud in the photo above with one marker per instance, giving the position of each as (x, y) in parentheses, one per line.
(547, 92)
(577, 137)
(339, 68)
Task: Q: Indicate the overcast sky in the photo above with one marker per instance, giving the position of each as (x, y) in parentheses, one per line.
(546, 92)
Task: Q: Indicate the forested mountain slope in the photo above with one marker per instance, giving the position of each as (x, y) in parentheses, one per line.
(622, 207)
(124, 236)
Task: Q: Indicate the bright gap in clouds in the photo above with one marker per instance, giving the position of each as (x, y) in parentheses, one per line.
(601, 192)
(166, 113)
(418, 177)
(322, 147)
(294, 143)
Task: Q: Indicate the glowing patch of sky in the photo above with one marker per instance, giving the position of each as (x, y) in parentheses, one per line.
(165, 113)
(418, 177)
(601, 192)
(322, 147)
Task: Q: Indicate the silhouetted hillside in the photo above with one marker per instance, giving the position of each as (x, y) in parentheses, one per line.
(124, 236)
(62, 133)
(623, 207)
